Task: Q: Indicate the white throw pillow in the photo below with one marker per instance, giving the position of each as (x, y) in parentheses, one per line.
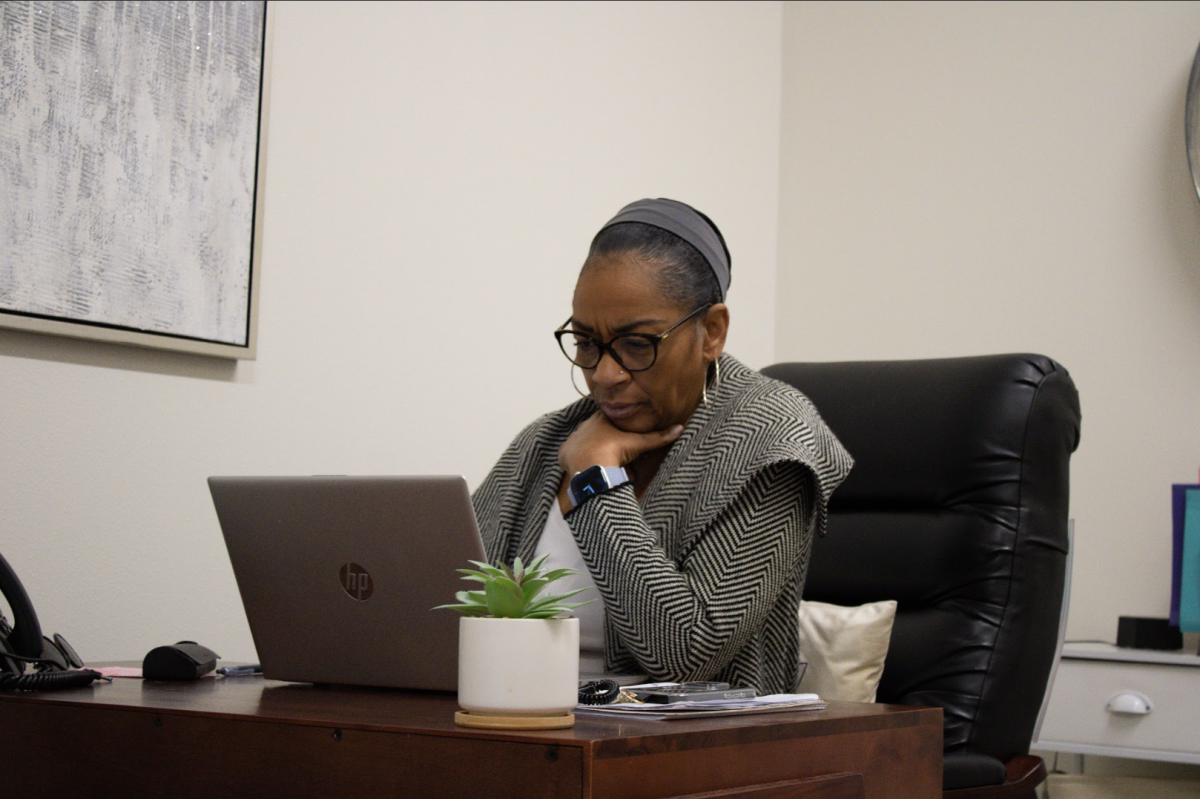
(845, 648)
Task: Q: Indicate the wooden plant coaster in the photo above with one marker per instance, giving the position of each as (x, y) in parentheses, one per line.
(464, 719)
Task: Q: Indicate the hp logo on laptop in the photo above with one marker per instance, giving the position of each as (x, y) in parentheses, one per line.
(357, 581)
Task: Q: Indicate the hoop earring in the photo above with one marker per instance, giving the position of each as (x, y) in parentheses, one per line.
(576, 387)
(716, 381)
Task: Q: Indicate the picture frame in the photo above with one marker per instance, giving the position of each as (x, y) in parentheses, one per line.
(1191, 122)
(132, 195)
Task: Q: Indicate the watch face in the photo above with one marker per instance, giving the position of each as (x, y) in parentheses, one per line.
(595, 480)
(588, 484)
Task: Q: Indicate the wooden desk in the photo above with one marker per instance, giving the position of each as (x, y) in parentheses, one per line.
(245, 736)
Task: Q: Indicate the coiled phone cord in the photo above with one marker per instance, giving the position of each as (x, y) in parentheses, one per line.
(48, 680)
(599, 692)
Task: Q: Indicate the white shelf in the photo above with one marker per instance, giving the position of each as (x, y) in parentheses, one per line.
(1161, 755)
(1090, 651)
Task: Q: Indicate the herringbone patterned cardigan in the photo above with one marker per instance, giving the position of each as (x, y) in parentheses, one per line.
(701, 580)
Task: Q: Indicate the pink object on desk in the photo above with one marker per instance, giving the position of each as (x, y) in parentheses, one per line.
(120, 671)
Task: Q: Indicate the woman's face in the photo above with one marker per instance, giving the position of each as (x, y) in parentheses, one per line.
(619, 294)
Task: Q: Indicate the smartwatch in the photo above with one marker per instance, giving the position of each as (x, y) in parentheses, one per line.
(595, 480)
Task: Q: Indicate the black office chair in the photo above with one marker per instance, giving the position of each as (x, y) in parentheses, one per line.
(956, 508)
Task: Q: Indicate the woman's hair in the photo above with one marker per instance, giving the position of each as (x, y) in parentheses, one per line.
(684, 275)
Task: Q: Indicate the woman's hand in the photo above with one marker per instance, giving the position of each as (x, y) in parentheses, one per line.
(598, 441)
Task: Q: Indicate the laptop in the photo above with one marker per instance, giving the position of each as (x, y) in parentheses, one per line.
(339, 575)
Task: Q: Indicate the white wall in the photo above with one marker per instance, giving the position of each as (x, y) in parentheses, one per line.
(955, 179)
(436, 172)
(973, 178)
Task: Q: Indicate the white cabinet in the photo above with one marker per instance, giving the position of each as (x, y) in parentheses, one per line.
(1124, 703)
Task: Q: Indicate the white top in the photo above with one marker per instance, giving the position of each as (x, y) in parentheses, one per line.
(1097, 651)
(558, 542)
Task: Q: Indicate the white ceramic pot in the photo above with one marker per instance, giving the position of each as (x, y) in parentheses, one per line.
(518, 667)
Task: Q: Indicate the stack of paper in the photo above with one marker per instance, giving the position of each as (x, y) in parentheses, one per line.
(710, 707)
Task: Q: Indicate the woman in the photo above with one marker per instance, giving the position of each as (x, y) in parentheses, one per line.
(684, 484)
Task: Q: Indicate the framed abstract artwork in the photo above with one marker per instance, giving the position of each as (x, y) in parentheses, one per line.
(131, 169)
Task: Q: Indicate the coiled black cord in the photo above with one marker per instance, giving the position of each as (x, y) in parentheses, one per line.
(48, 680)
(599, 692)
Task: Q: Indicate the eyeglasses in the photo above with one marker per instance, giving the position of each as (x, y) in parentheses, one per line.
(633, 352)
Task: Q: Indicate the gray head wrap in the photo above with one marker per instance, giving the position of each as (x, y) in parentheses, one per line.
(686, 223)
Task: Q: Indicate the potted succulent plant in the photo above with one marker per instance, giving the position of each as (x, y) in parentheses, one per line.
(518, 650)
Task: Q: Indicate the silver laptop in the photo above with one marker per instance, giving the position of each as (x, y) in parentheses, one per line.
(339, 575)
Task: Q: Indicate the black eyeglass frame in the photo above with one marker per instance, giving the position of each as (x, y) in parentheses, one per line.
(653, 338)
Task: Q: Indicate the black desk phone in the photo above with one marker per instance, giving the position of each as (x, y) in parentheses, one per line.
(55, 664)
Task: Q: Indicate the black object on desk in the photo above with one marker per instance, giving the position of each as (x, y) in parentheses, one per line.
(186, 660)
(1142, 633)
